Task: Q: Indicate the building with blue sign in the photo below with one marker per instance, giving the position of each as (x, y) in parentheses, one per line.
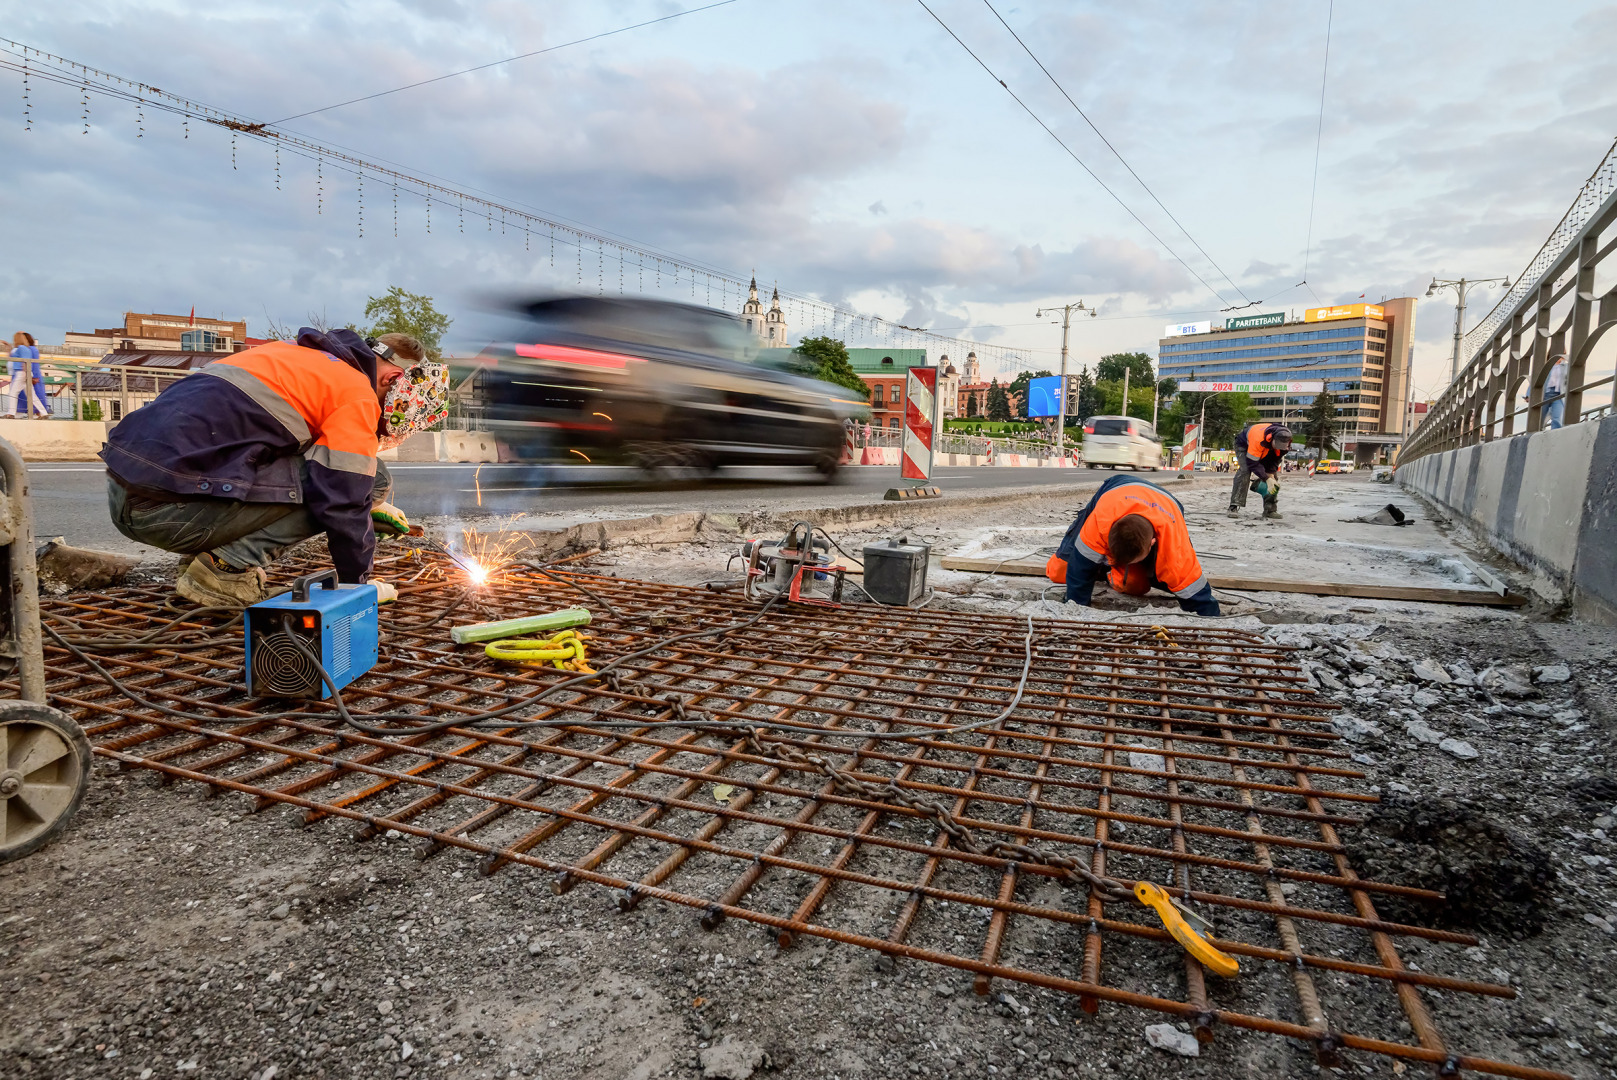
(1362, 352)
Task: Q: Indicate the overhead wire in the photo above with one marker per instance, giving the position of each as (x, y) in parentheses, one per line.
(1117, 154)
(1319, 140)
(1072, 153)
(497, 63)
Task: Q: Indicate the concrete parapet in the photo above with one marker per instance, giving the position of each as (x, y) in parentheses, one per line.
(1548, 500)
(56, 440)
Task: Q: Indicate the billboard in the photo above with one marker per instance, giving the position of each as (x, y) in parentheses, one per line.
(1044, 396)
(1344, 311)
(1315, 386)
(1248, 322)
(1180, 329)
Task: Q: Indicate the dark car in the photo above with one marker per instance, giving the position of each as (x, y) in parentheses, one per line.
(650, 383)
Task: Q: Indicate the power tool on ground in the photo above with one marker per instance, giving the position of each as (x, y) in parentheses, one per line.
(798, 564)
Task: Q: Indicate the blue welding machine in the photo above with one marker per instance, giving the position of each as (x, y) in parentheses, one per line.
(291, 636)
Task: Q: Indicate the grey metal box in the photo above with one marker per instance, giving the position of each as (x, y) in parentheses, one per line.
(895, 571)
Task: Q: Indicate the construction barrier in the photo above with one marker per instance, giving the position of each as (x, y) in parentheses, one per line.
(1548, 500)
(920, 416)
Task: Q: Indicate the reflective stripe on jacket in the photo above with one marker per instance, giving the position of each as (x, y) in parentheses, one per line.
(243, 427)
(1172, 564)
(1256, 443)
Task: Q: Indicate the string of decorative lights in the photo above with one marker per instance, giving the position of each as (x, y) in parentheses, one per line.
(816, 316)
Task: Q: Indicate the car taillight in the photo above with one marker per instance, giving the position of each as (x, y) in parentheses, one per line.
(567, 354)
(1088, 430)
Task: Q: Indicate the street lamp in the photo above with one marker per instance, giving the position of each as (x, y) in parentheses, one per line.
(1061, 407)
(1460, 287)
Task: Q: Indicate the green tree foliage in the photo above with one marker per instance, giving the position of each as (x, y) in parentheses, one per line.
(1019, 389)
(1227, 414)
(89, 410)
(1320, 423)
(400, 312)
(1090, 402)
(999, 406)
(826, 358)
(1138, 364)
(1111, 399)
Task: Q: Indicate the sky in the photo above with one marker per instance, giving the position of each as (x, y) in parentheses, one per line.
(851, 151)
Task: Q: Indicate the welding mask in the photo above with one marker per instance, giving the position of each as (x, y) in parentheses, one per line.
(415, 401)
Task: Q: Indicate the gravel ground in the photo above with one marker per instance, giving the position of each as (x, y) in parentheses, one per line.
(172, 934)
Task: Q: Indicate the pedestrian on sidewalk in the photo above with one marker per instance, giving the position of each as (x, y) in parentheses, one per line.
(270, 446)
(1132, 533)
(26, 390)
(1259, 450)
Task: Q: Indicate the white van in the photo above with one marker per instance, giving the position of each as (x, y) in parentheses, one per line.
(1116, 441)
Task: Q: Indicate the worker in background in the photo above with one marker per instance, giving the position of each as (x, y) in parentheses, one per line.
(270, 446)
(1133, 534)
(1259, 451)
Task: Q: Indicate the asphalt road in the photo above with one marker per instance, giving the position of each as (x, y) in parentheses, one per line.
(70, 499)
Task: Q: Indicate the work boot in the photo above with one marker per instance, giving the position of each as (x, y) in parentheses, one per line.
(1271, 512)
(211, 583)
(1233, 511)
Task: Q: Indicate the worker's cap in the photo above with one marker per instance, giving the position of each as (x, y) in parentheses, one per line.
(1281, 433)
(415, 401)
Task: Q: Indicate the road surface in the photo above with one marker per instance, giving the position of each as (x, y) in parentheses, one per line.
(70, 498)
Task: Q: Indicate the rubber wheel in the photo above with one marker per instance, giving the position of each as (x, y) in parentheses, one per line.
(44, 771)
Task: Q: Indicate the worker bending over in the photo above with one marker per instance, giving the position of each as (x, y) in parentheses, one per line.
(1259, 451)
(1132, 533)
(270, 446)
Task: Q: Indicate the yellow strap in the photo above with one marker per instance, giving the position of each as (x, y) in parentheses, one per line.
(1153, 897)
(522, 650)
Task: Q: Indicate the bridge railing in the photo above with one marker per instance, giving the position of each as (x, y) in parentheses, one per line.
(1552, 316)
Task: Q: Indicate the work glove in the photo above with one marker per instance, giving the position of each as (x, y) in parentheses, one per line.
(389, 520)
(385, 593)
(1267, 488)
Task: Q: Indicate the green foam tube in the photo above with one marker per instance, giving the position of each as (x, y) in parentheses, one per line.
(531, 624)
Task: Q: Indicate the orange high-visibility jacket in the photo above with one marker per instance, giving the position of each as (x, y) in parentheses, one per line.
(1256, 442)
(1172, 565)
(281, 422)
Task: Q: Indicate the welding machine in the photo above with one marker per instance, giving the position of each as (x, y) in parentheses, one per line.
(291, 636)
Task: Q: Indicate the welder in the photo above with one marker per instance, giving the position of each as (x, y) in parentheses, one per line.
(267, 447)
(1260, 450)
(1133, 534)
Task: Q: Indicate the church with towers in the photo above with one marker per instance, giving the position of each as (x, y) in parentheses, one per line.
(768, 326)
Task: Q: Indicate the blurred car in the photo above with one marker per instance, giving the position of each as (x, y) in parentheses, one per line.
(1115, 441)
(618, 380)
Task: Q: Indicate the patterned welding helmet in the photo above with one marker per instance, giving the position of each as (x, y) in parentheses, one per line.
(415, 401)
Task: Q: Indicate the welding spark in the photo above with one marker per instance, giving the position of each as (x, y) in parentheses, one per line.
(581, 454)
(481, 554)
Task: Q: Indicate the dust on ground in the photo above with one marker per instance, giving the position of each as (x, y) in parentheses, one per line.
(170, 934)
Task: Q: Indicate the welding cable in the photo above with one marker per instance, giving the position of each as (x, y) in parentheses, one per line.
(150, 639)
(553, 575)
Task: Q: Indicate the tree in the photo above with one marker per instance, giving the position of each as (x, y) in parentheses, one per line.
(1320, 423)
(1090, 402)
(1227, 414)
(401, 312)
(1138, 364)
(826, 358)
(999, 406)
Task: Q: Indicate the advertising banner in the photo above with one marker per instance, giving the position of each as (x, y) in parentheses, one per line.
(1247, 322)
(1044, 396)
(1181, 329)
(1303, 387)
(1344, 311)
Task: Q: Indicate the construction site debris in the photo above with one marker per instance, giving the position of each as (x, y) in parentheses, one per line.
(1387, 515)
(62, 567)
(1490, 877)
(1169, 1038)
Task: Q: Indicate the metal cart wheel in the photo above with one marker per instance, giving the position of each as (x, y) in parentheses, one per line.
(44, 770)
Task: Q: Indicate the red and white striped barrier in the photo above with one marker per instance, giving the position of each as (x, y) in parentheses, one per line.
(920, 420)
(1191, 446)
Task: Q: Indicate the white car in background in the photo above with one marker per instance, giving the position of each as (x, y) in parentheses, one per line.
(1118, 441)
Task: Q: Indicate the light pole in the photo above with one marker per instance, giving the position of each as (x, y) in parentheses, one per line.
(1061, 406)
(1460, 287)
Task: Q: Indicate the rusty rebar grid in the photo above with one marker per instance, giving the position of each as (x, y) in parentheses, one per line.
(1197, 758)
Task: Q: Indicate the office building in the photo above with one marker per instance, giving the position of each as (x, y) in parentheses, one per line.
(160, 333)
(1362, 352)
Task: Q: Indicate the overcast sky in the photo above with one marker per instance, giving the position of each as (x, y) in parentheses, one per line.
(848, 150)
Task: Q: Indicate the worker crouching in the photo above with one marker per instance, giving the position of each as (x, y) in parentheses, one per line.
(1132, 533)
(268, 447)
(1260, 451)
